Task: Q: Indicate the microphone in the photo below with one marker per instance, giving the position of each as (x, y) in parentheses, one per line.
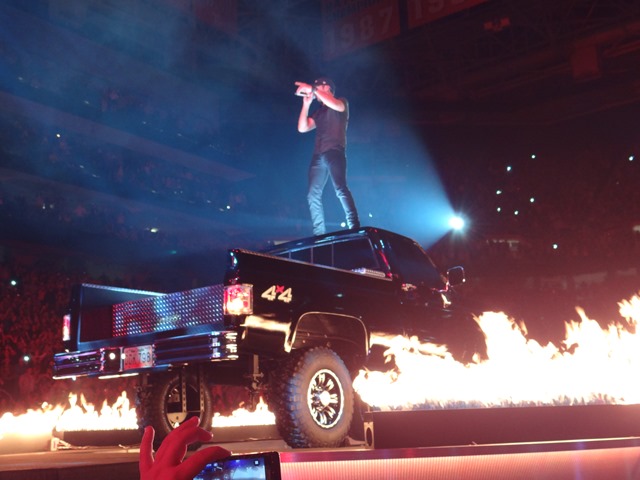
(302, 87)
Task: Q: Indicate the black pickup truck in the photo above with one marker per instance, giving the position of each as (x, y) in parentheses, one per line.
(296, 321)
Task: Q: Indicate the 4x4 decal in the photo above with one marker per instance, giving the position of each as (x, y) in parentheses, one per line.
(278, 292)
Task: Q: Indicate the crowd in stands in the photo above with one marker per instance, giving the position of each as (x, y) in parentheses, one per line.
(35, 290)
(62, 156)
(69, 182)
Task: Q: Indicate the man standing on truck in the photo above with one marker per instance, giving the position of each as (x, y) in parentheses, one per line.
(329, 154)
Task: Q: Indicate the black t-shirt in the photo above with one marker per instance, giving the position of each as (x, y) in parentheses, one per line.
(331, 128)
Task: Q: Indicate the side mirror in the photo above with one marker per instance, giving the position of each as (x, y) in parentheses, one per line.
(455, 276)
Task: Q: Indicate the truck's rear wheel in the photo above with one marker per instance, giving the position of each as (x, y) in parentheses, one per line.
(314, 399)
(163, 405)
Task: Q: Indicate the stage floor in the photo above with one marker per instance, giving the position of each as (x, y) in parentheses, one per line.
(588, 459)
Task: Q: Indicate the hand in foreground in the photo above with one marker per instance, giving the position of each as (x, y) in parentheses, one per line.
(168, 464)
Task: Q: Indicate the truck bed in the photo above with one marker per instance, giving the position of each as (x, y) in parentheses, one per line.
(148, 330)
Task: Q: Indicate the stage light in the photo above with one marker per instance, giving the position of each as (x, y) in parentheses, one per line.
(508, 168)
(531, 200)
(13, 283)
(632, 158)
(498, 192)
(456, 222)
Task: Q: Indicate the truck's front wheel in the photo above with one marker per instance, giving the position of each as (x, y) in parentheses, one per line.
(169, 400)
(314, 399)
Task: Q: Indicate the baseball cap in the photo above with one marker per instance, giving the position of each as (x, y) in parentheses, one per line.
(325, 81)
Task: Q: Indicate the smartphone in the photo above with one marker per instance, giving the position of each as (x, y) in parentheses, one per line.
(254, 466)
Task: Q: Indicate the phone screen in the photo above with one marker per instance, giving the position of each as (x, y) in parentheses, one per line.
(254, 466)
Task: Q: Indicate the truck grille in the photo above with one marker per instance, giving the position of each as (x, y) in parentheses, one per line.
(201, 306)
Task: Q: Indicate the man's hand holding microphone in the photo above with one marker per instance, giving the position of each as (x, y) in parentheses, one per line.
(304, 89)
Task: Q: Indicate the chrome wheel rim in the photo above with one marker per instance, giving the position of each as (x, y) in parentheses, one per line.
(325, 398)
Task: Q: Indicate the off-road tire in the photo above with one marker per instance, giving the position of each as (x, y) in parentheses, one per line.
(158, 404)
(313, 397)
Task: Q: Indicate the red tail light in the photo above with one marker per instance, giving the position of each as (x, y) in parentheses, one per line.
(238, 299)
(66, 328)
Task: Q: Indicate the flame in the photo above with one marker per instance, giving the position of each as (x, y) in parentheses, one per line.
(591, 365)
(31, 423)
(242, 417)
(84, 416)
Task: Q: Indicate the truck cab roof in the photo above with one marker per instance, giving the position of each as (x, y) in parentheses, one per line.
(366, 249)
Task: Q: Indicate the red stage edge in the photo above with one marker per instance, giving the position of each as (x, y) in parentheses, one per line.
(99, 438)
(483, 426)
(244, 433)
(585, 459)
(104, 438)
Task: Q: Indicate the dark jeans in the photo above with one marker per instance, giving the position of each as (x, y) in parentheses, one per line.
(332, 163)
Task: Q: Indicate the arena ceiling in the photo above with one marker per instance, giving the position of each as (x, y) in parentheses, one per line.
(453, 61)
(495, 61)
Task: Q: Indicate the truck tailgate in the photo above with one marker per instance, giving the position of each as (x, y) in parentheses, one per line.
(180, 310)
